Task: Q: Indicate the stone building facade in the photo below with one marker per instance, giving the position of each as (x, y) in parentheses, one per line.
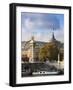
(31, 48)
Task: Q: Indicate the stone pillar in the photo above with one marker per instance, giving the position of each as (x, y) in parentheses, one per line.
(58, 60)
(32, 53)
(32, 50)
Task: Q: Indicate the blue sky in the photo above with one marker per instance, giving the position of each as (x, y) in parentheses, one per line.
(41, 26)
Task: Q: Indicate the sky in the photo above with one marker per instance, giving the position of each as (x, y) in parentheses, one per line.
(41, 26)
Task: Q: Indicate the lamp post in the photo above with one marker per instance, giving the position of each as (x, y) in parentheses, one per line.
(58, 58)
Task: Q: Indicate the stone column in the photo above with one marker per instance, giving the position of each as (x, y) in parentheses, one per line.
(32, 53)
(58, 60)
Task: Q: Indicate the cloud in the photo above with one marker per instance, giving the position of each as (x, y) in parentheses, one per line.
(28, 24)
(40, 21)
(42, 36)
(40, 26)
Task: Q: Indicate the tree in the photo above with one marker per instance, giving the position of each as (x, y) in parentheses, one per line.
(49, 51)
(43, 53)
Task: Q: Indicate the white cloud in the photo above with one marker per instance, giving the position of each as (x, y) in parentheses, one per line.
(28, 24)
(37, 21)
(40, 26)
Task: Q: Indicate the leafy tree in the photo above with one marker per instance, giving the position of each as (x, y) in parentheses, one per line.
(49, 51)
(43, 53)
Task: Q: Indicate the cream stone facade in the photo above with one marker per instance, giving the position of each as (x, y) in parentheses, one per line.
(31, 48)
